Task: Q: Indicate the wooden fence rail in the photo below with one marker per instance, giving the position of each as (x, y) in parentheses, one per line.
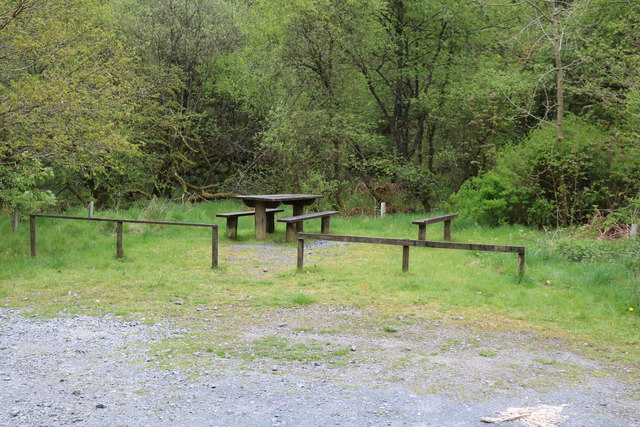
(119, 222)
(406, 243)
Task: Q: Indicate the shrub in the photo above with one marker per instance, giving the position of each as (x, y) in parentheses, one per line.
(542, 182)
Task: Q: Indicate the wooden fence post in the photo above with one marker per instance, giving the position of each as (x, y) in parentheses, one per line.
(32, 234)
(520, 263)
(214, 247)
(119, 239)
(405, 258)
(300, 253)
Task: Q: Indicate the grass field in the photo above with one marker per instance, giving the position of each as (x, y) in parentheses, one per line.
(584, 291)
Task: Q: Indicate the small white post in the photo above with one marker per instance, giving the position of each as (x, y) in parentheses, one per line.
(91, 209)
(633, 234)
(383, 208)
(16, 219)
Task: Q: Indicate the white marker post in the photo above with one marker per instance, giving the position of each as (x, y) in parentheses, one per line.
(16, 219)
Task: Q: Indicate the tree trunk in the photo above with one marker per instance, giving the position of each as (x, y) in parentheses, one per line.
(564, 214)
(402, 86)
(557, 54)
(417, 142)
(432, 149)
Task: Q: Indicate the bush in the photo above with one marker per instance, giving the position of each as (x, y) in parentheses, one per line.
(541, 182)
(489, 199)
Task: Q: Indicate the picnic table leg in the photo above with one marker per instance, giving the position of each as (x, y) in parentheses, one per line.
(422, 232)
(271, 222)
(447, 230)
(261, 220)
(298, 209)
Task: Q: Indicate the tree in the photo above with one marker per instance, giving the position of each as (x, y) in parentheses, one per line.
(64, 95)
(199, 134)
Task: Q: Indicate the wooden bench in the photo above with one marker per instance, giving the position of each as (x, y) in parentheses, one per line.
(294, 223)
(232, 221)
(422, 225)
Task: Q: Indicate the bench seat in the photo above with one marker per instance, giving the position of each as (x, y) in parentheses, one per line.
(422, 225)
(232, 221)
(294, 223)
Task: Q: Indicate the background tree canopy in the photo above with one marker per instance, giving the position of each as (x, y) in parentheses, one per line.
(524, 111)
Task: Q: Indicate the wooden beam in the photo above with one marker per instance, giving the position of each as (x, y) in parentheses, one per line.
(422, 231)
(405, 258)
(300, 254)
(521, 262)
(407, 243)
(119, 223)
(32, 234)
(119, 239)
(435, 219)
(232, 227)
(447, 230)
(134, 221)
(214, 247)
(325, 227)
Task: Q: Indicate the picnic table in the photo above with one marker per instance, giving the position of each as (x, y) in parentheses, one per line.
(262, 202)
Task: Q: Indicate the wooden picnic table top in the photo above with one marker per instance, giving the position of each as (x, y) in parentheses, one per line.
(282, 198)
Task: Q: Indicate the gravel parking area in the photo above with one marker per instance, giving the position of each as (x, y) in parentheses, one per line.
(100, 371)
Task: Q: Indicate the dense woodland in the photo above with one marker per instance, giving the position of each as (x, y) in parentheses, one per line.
(510, 111)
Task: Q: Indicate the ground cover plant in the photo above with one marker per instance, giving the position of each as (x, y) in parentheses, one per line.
(591, 300)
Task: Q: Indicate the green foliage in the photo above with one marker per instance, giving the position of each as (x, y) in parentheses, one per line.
(626, 252)
(489, 199)
(541, 182)
(306, 151)
(583, 250)
(128, 99)
(65, 93)
(19, 187)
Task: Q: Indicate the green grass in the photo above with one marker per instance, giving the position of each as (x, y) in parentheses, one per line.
(166, 272)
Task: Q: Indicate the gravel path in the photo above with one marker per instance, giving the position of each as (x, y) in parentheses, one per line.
(100, 371)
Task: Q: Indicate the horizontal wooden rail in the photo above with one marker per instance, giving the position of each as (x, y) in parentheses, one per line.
(137, 221)
(406, 243)
(119, 222)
